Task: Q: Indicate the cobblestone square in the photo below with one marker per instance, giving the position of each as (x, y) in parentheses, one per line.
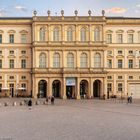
(71, 120)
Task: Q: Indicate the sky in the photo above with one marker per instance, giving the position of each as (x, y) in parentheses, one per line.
(25, 8)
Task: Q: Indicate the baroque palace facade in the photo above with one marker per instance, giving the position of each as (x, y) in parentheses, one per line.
(70, 56)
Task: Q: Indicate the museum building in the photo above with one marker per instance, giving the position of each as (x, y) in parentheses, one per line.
(69, 56)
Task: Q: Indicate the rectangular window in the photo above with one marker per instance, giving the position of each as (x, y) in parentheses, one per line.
(119, 77)
(23, 38)
(0, 52)
(130, 38)
(109, 87)
(130, 52)
(119, 51)
(11, 63)
(0, 38)
(23, 63)
(109, 38)
(119, 86)
(23, 77)
(23, 85)
(11, 38)
(0, 63)
(120, 63)
(11, 77)
(130, 77)
(109, 77)
(11, 52)
(119, 38)
(109, 63)
(23, 52)
(130, 64)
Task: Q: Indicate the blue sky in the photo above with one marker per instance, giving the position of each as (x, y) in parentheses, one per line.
(14, 8)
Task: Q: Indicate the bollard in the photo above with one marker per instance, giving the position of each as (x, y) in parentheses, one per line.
(14, 104)
(6, 104)
(37, 103)
(45, 103)
(21, 103)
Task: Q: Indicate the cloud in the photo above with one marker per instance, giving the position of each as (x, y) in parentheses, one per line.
(138, 5)
(116, 10)
(20, 8)
(3, 12)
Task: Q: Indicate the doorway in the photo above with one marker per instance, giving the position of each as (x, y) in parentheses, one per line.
(42, 89)
(56, 89)
(11, 89)
(70, 92)
(97, 89)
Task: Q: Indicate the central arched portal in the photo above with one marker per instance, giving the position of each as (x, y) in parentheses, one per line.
(42, 89)
(83, 88)
(56, 88)
(97, 89)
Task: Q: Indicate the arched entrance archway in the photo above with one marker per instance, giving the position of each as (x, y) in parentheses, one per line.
(97, 89)
(42, 89)
(56, 88)
(83, 88)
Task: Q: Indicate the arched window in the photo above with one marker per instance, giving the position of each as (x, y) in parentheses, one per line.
(69, 34)
(83, 34)
(97, 35)
(42, 60)
(70, 60)
(42, 34)
(83, 60)
(56, 60)
(56, 34)
(97, 60)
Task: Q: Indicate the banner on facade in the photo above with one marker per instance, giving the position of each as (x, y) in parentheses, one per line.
(70, 82)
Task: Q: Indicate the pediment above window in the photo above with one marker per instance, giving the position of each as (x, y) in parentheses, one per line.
(12, 31)
(119, 31)
(23, 32)
(130, 31)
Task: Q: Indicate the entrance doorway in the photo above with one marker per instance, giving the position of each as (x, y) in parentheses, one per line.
(70, 92)
(42, 89)
(83, 88)
(56, 89)
(11, 90)
(97, 88)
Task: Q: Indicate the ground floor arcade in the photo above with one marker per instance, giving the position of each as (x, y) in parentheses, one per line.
(70, 87)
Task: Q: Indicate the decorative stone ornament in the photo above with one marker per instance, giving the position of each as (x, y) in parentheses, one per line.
(35, 12)
(103, 13)
(62, 13)
(76, 13)
(89, 12)
(49, 13)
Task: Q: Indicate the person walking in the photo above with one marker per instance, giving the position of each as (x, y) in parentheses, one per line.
(52, 100)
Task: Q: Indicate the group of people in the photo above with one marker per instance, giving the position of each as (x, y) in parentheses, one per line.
(48, 99)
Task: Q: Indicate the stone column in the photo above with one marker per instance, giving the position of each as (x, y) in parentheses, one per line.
(62, 34)
(125, 59)
(49, 33)
(64, 88)
(114, 82)
(78, 88)
(76, 34)
(114, 62)
(125, 84)
(49, 87)
(91, 88)
(105, 87)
